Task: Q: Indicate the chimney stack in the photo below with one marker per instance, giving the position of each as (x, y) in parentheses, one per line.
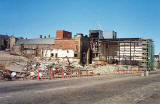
(41, 36)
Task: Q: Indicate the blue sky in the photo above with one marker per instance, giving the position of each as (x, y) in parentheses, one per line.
(130, 18)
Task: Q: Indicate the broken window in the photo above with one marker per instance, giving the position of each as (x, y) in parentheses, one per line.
(56, 55)
(94, 35)
(52, 55)
(96, 54)
(93, 55)
(75, 55)
(76, 46)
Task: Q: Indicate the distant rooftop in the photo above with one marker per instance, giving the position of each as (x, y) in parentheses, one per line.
(109, 34)
(4, 36)
(121, 39)
(41, 41)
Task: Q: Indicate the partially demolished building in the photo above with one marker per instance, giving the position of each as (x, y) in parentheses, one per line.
(99, 46)
(32, 47)
(67, 47)
(63, 46)
(157, 61)
(126, 51)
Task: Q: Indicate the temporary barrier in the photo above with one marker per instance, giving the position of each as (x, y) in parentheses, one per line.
(124, 71)
(61, 73)
(44, 74)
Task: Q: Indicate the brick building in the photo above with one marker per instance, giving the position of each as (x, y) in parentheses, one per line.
(32, 47)
(62, 34)
(99, 46)
(65, 46)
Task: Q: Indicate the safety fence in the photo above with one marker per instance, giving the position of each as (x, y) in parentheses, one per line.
(124, 71)
(61, 73)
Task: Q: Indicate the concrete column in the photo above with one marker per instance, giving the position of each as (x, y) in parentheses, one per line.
(88, 56)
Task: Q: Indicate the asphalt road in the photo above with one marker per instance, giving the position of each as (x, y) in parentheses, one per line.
(91, 90)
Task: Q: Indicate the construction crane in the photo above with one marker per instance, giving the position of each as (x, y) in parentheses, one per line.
(100, 26)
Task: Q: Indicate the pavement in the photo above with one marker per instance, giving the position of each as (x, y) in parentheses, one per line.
(106, 89)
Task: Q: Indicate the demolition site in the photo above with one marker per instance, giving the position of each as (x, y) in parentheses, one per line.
(67, 56)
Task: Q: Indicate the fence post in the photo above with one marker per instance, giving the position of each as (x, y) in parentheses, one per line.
(87, 72)
(92, 73)
(51, 74)
(79, 73)
(62, 73)
(71, 73)
(38, 74)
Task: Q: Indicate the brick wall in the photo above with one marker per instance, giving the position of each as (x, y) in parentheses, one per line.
(66, 44)
(24, 49)
(61, 34)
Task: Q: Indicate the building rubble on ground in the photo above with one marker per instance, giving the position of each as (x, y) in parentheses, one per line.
(101, 52)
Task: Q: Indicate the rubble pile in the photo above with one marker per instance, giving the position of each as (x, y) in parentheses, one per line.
(16, 66)
(6, 58)
(47, 64)
(106, 69)
(109, 68)
(12, 62)
(44, 63)
(29, 68)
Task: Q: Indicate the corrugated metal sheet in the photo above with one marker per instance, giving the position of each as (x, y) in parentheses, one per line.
(36, 41)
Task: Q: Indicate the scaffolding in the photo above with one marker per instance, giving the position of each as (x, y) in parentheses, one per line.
(126, 51)
(150, 55)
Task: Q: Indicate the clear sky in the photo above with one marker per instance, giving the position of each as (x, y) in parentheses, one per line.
(130, 18)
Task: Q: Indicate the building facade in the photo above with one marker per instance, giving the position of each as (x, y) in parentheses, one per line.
(67, 47)
(157, 61)
(85, 50)
(126, 51)
(32, 47)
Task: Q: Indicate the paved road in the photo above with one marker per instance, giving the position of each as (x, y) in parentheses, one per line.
(92, 90)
